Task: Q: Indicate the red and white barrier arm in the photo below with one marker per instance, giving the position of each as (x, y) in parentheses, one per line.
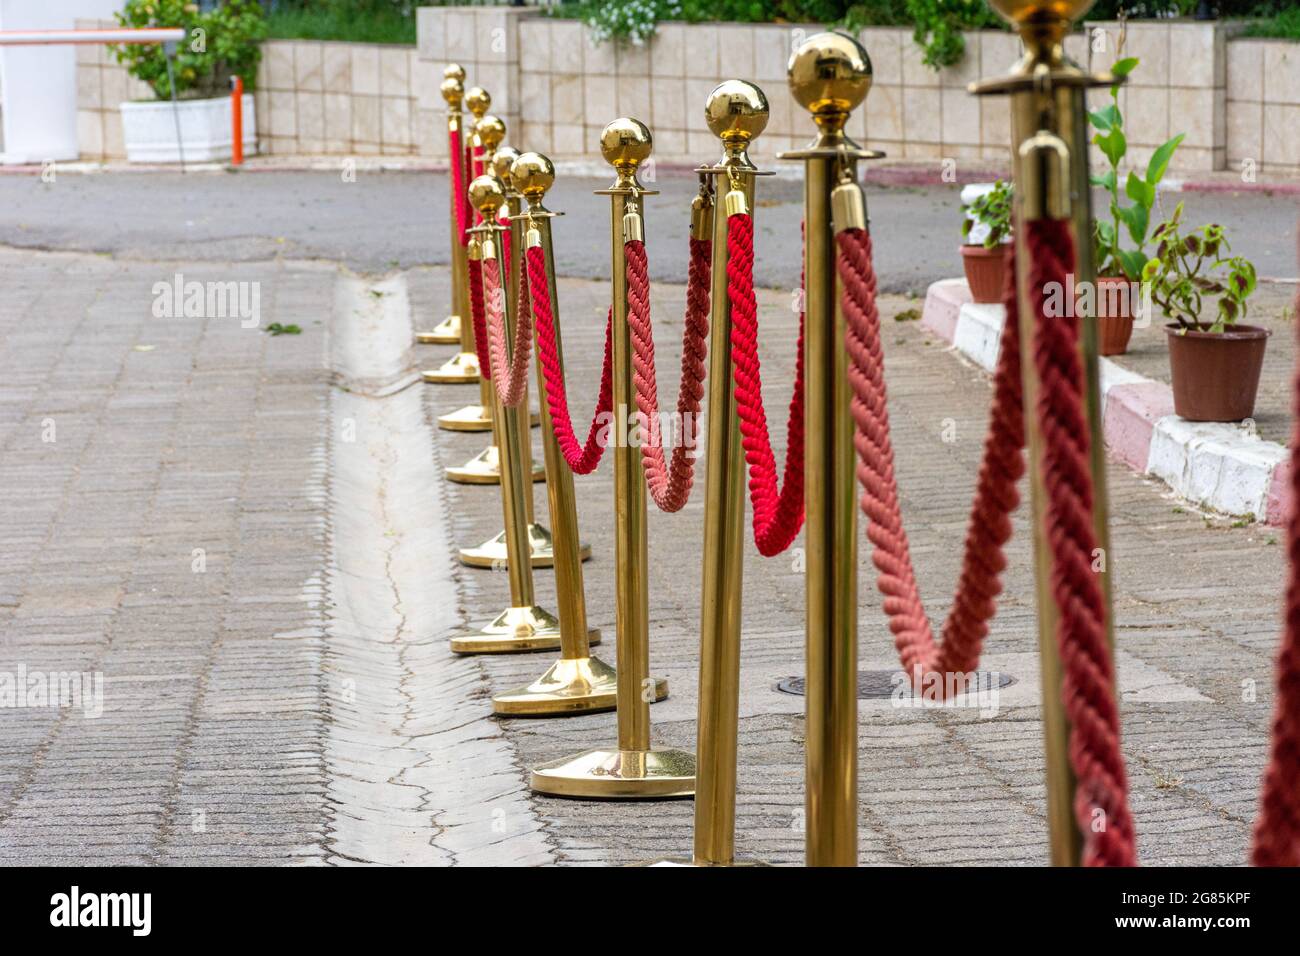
(124, 35)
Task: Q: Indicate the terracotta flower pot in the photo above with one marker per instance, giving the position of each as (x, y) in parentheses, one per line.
(986, 271)
(1114, 315)
(1216, 375)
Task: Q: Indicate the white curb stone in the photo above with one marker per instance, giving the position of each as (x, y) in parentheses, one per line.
(1223, 467)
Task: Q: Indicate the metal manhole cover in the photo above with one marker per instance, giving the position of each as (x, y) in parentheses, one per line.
(880, 685)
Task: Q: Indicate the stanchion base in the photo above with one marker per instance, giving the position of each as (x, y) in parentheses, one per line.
(492, 554)
(516, 630)
(585, 685)
(471, 418)
(485, 469)
(619, 775)
(476, 418)
(446, 332)
(461, 370)
(687, 861)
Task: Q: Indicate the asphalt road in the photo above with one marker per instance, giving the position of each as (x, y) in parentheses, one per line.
(385, 220)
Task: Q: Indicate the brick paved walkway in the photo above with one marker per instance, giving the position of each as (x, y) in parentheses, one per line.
(295, 701)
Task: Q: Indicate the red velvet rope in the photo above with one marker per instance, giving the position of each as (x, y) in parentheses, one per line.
(509, 373)
(1088, 679)
(989, 527)
(581, 459)
(476, 314)
(459, 195)
(1277, 827)
(1101, 808)
(777, 516)
(669, 484)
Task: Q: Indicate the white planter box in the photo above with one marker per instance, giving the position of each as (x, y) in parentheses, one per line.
(149, 130)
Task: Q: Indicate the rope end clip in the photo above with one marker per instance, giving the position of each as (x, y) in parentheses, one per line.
(633, 224)
(848, 207)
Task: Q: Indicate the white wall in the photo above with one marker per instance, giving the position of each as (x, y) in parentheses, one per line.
(40, 82)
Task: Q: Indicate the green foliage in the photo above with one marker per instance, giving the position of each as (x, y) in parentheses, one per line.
(1111, 256)
(1285, 25)
(1188, 268)
(219, 44)
(632, 21)
(939, 25)
(993, 209)
(355, 21)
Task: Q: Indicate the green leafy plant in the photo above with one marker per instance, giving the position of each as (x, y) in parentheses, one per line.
(219, 44)
(275, 328)
(939, 25)
(631, 21)
(1111, 256)
(1188, 268)
(993, 209)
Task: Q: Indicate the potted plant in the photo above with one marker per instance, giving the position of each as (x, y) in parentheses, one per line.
(1215, 365)
(1119, 269)
(220, 44)
(985, 260)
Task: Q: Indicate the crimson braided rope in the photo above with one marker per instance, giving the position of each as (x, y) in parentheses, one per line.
(459, 196)
(509, 372)
(1088, 678)
(669, 483)
(581, 459)
(989, 527)
(1277, 827)
(778, 516)
(476, 314)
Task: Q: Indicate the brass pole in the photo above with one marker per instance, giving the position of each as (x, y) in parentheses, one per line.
(829, 75)
(737, 113)
(523, 626)
(634, 769)
(1050, 168)
(577, 683)
(463, 367)
(448, 331)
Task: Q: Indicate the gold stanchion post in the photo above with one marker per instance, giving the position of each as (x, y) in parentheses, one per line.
(577, 683)
(448, 331)
(483, 468)
(523, 626)
(493, 552)
(632, 769)
(1049, 139)
(829, 75)
(737, 113)
(462, 368)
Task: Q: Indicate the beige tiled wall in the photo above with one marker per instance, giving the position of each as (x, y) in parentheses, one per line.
(318, 97)
(312, 98)
(1236, 99)
(1264, 106)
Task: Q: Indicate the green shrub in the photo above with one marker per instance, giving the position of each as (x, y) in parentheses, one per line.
(219, 44)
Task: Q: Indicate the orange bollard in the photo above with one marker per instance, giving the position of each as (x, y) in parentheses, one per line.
(237, 121)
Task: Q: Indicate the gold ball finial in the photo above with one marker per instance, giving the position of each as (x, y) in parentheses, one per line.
(477, 101)
(452, 92)
(1021, 12)
(502, 159)
(626, 143)
(491, 131)
(829, 75)
(454, 71)
(533, 174)
(487, 194)
(736, 112)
